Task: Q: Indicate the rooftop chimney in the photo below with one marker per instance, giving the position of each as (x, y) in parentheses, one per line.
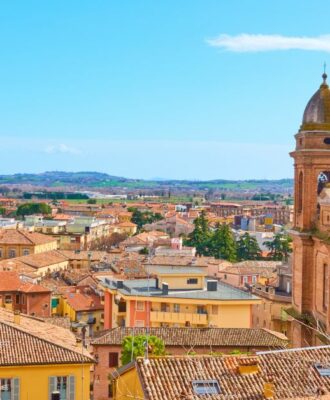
(120, 284)
(269, 390)
(165, 288)
(212, 285)
(17, 317)
(248, 366)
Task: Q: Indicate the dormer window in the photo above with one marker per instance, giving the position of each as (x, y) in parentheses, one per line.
(323, 370)
(206, 387)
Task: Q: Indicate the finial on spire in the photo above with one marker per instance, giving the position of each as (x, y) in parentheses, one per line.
(324, 75)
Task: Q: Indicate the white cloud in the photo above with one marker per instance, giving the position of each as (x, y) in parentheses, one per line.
(61, 149)
(257, 43)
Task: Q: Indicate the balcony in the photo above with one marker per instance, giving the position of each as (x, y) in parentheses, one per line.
(178, 318)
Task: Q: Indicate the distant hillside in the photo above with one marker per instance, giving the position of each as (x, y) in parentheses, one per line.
(87, 179)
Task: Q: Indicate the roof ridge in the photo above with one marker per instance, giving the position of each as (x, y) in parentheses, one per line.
(23, 233)
(23, 331)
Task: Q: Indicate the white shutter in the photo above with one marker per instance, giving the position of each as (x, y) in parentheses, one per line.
(72, 387)
(52, 380)
(15, 389)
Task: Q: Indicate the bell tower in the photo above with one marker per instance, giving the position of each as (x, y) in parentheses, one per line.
(311, 174)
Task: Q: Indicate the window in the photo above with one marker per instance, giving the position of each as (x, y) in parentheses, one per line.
(0, 253)
(192, 281)
(254, 279)
(110, 390)
(65, 385)
(201, 310)
(325, 286)
(208, 387)
(225, 276)
(214, 310)
(9, 389)
(8, 299)
(12, 253)
(176, 308)
(113, 360)
(300, 193)
(140, 305)
(17, 299)
(323, 370)
(26, 252)
(23, 299)
(245, 279)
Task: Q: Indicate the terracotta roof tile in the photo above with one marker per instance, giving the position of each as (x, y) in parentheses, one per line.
(16, 236)
(19, 347)
(292, 371)
(200, 337)
(11, 282)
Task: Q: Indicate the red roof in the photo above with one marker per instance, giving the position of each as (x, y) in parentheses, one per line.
(11, 282)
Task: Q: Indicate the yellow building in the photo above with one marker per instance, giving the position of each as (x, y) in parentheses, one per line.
(125, 227)
(82, 306)
(16, 243)
(177, 297)
(226, 377)
(34, 364)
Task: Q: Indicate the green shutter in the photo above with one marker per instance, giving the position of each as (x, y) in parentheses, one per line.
(72, 388)
(15, 389)
(52, 380)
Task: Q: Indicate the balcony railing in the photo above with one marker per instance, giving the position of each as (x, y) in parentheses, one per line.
(175, 318)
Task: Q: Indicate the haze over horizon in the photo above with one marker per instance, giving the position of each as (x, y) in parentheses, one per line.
(205, 90)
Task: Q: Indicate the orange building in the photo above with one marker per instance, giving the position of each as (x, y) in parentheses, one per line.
(311, 249)
(22, 296)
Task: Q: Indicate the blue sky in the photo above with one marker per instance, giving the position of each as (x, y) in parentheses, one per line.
(145, 88)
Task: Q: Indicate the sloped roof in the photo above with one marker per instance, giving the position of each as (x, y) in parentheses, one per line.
(240, 337)
(293, 372)
(44, 259)
(21, 237)
(11, 282)
(34, 341)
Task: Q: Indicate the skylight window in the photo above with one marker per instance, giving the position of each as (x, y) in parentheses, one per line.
(323, 369)
(202, 388)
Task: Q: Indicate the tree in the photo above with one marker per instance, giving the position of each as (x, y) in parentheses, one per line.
(136, 346)
(200, 236)
(145, 251)
(91, 201)
(33, 208)
(105, 243)
(223, 244)
(141, 218)
(2, 211)
(280, 246)
(248, 248)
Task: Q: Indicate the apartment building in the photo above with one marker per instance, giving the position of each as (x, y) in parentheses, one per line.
(176, 298)
(16, 243)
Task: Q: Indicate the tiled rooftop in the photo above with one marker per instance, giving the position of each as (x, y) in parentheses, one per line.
(34, 341)
(15, 236)
(44, 259)
(240, 337)
(292, 371)
(11, 282)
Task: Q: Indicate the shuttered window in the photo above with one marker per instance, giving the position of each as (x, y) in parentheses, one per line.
(64, 385)
(113, 360)
(9, 389)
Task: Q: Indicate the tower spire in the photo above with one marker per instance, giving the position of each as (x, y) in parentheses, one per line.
(324, 75)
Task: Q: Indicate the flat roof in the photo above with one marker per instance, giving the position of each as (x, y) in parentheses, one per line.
(147, 287)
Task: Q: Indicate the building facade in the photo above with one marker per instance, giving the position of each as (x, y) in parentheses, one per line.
(311, 246)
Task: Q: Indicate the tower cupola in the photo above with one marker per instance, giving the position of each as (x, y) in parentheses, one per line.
(317, 112)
